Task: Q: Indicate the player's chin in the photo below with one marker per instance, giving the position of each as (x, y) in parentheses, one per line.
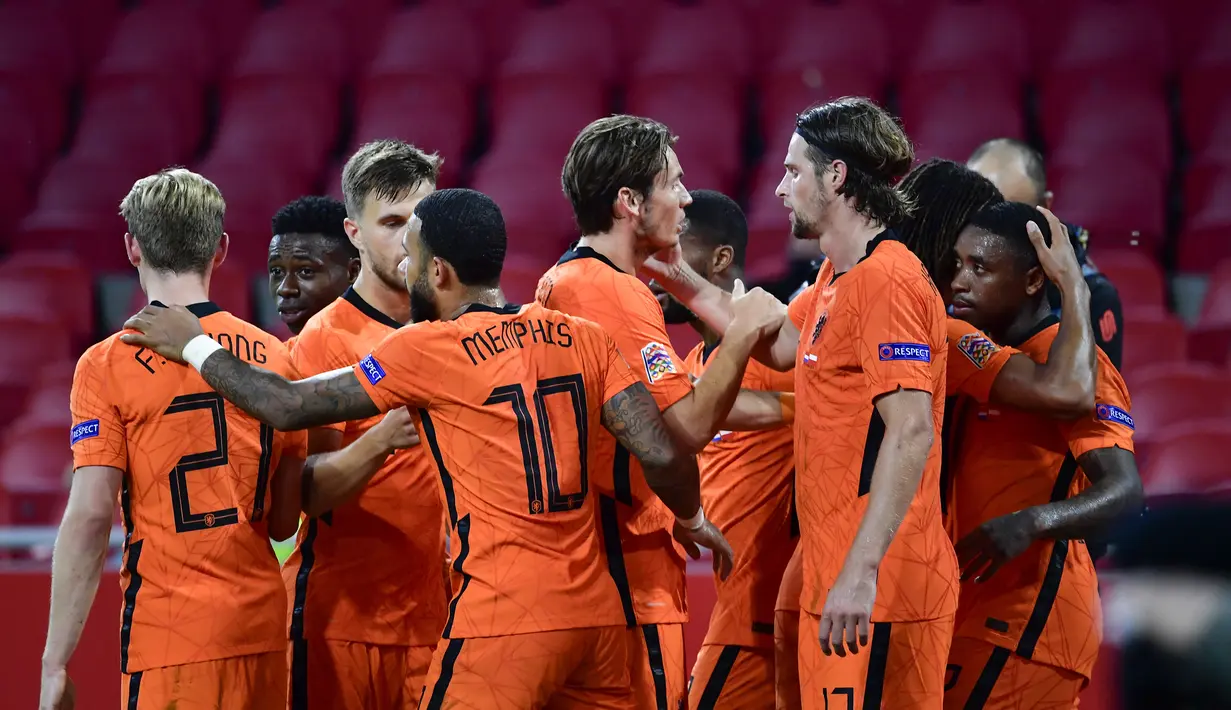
(294, 319)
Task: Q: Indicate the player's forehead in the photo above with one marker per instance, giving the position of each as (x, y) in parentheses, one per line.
(671, 172)
(300, 245)
(977, 243)
(383, 209)
(796, 152)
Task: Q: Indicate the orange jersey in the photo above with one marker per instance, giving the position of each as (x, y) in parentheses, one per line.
(1044, 604)
(200, 578)
(369, 570)
(646, 562)
(867, 332)
(747, 487)
(509, 403)
(974, 361)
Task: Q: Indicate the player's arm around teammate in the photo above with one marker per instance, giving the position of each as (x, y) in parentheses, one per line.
(76, 567)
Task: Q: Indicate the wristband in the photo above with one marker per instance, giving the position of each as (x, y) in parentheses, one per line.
(786, 400)
(198, 349)
(695, 522)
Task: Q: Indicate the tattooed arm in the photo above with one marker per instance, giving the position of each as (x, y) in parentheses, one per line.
(632, 416)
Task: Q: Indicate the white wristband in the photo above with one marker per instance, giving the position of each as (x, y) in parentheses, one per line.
(695, 522)
(198, 349)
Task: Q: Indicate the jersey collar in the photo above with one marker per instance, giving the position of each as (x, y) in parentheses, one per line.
(577, 252)
(200, 310)
(507, 309)
(886, 235)
(352, 297)
(1039, 327)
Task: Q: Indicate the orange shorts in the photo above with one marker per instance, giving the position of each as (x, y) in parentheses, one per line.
(786, 660)
(984, 676)
(732, 677)
(656, 666)
(255, 682)
(559, 670)
(345, 675)
(902, 667)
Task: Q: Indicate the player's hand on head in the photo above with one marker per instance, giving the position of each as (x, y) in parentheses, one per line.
(985, 549)
(57, 691)
(665, 266)
(164, 330)
(1058, 260)
(756, 311)
(847, 616)
(711, 538)
(399, 429)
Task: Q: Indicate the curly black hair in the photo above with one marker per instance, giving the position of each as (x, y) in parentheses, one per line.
(315, 215)
(946, 195)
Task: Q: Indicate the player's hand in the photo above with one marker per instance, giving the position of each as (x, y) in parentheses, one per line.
(665, 266)
(1059, 261)
(164, 330)
(399, 429)
(757, 311)
(847, 615)
(57, 692)
(982, 552)
(710, 538)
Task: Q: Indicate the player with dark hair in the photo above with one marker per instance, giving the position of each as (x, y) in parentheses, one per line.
(202, 487)
(1018, 170)
(747, 486)
(1027, 490)
(366, 578)
(868, 346)
(626, 187)
(511, 401)
(311, 260)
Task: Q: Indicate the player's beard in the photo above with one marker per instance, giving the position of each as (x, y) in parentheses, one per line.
(423, 305)
(389, 277)
(809, 228)
(676, 313)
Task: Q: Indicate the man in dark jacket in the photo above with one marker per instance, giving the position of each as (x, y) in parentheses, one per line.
(1017, 170)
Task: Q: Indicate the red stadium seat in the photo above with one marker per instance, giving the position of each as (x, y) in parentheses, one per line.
(1086, 118)
(567, 40)
(226, 21)
(33, 476)
(1210, 342)
(163, 41)
(1169, 394)
(16, 188)
(46, 407)
(1206, 237)
(1191, 458)
(695, 41)
(1128, 38)
(538, 118)
(293, 43)
(972, 37)
(1136, 276)
(769, 226)
(39, 323)
(37, 67)
(493, 18)
(950, 115)
(1119, 199)
(290, 123)
(1151, 337)
(58, 279)
(89, 23)
(821, 53)
(537, 215)
(453, 49)
(138, 124)
(436, 115)
(361, 19)
(1216, 308)
(706, 114)
(520, 276)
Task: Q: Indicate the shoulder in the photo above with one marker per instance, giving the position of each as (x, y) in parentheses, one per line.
(100, 354)
(323, 322)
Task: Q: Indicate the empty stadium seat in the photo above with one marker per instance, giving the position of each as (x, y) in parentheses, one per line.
(452, 50)
(949, 115)
(1151, 337)
(293, 43)
(1205, 239)
(58, 279)
(436, 115)
(1136, 276)
(769, 226)
(226, 21)
(1190, 459)
(28, 135)
(37, 66)
(163, 41)
(1119, 199)
(694, 41)
(521, 273)
(1128, 38)
(361, 19)
(1086, 118)
(137, 124)
(538, 118)
(972, 37)
(291, 123)
(38, 324)
(89, 23)
(573, 39)
(706, 113)
(537, 215)
(1170, 394)
(33, 475)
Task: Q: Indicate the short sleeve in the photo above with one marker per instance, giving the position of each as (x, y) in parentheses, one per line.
(974, 361)
(896, 326)
(643, 340)
(1111, 422)
(617, 376)
(797, 309)
(317, 351)
(97, 435)
(405, 368)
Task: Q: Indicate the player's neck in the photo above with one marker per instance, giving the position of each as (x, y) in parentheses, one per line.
(393, 303)
(619, 248)
(1017, 331)
(175, 289)
(490, 296)
(853, 232)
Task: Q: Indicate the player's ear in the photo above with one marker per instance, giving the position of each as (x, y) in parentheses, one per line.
(220, 255)
(628, 202)
(1036, 280)
(721, 259)
(443, 274)
(837, 174)
(352, 269)
(352, 231)
(132, 249)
